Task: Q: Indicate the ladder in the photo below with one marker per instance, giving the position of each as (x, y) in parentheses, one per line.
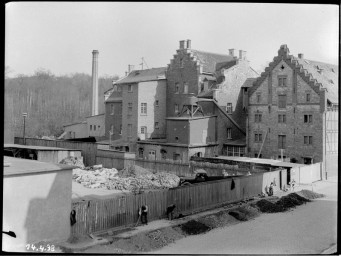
(262, 144)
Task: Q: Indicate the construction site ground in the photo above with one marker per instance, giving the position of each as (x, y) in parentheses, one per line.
(159, 233)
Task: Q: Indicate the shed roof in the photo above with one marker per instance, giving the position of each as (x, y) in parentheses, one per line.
(19, 166)
(40, 148)
(144, 75)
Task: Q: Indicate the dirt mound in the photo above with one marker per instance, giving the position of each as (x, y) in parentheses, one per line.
(142, 242)
(194, 227)
(218, 220)
(248, 212)
(283, 204)
(238, 215)
(268, 207)
(309, 194)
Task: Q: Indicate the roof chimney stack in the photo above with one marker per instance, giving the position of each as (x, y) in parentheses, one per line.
(182, 44)
(188, 44)
(130, 68)
(242, 55)
(94, 111)
(301, 56)
(232, 52)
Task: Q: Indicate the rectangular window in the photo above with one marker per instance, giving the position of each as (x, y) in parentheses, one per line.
(176, 156)
(143, 129)
(156, 125)
(308, 118)
(130, 88)
(281, 141)
(282, 81)
(176, 108)
(120, 129)
(156, 103)
(308, 140)
(258, 137)
(143, 108)
(258, 97)
(282, 118)
(94, 127)
(229, 133)
(185, 88)
(308, 97)
(229, 107)
(130, 130)
(282, 101)
(177, 88)
(112, 109)
(230, 151)
(202, 87)
(258, 118)
(91, 127)
(130, 108)
(141, 152)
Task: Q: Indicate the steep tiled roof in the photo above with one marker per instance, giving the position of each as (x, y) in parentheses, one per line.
(326, 74)
(249, 82)
(209, 60)
(144, 75)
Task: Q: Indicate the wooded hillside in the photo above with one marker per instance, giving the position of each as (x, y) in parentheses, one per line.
(51, 101)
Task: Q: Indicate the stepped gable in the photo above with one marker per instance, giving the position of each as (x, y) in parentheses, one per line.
(308, 71)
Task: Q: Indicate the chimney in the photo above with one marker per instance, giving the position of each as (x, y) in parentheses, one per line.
(130, 68)
(232, 52)
(301, 56)
(242, 55)
(188, 44)
(94, 83)
(182, 44)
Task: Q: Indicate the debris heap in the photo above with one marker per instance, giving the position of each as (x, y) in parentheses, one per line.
(134, 179)
(75, 161)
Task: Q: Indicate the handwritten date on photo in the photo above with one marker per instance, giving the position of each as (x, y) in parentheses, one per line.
(40, 248)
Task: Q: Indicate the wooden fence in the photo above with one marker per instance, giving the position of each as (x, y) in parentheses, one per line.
(89, 149)
(307, 174)
(119, 212)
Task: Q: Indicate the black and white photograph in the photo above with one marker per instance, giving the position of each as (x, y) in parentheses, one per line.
(170, 128)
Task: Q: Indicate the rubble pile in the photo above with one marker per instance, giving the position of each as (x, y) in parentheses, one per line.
(75, 161)
(194, 227)
(309, 194)
(133, 179)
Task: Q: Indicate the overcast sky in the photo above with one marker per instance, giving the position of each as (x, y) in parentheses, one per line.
(60, 37)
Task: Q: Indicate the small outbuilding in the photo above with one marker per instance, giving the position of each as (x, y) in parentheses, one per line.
(36, 202)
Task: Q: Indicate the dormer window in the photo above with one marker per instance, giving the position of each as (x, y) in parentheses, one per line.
(229, 107)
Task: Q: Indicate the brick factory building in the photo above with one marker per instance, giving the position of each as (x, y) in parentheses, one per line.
(293, 110)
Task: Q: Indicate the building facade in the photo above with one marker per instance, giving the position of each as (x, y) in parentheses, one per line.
(137, 109)
(287, 109)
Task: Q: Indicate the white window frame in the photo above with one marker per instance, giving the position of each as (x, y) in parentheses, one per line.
(130, 88)
(144, 109)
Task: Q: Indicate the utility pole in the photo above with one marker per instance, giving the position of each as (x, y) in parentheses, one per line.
(24, 115)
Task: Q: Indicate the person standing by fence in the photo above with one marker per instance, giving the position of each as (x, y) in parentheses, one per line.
(170, 211)
(143, 213)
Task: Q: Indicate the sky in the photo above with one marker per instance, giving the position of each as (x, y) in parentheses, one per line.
(60, 36)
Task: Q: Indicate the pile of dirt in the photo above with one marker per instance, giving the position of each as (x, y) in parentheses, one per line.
(291, 201)
(265, 206)
(218, 220)
(75, 161)
(143, 242)
(283, 204)
(194, 227)
(244, 213)
(78, 238)
(309, 194)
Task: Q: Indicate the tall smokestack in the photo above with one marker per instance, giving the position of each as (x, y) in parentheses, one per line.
(94, 83)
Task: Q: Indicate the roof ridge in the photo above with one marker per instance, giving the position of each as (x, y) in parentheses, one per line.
(211, 52)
